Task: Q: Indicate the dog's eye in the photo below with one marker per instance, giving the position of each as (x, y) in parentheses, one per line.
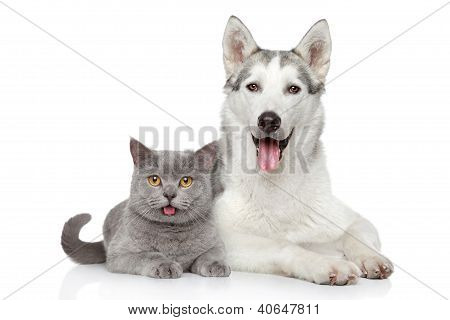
(252, 87)
(154, 180)
(294, 89)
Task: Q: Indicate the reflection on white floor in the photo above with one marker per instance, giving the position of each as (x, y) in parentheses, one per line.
(91, 281)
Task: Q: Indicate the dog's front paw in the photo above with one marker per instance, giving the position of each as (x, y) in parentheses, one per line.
(375, 266)
(335, 272)
(214, 269)
(165, 270)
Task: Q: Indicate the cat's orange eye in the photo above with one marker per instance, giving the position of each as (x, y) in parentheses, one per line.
(185, 182)
(154, 180)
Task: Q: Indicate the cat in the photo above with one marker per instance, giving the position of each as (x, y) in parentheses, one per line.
(166, 226)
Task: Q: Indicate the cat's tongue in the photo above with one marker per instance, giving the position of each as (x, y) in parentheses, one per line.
(169, 211)
(268, 154)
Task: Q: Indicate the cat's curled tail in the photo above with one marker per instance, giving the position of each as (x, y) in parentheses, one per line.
(80, 251)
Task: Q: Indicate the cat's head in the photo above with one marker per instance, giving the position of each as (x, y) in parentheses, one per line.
(173, 186)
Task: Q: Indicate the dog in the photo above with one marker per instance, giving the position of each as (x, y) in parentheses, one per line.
(277, 214)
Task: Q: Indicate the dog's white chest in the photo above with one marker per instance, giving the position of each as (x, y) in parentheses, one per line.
(280, 209)
(268, 212)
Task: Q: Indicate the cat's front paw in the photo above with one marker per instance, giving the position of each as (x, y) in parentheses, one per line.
(165, 270)
(215, 269)
(375, 266)
(335, 272)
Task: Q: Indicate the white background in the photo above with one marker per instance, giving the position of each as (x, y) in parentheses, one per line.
(65, 125)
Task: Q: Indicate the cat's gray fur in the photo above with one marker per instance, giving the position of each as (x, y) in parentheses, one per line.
(139, 239)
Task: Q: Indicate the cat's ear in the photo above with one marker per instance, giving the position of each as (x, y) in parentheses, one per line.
(206, 157)
(315, 48)
(238, 44)
(139, 152)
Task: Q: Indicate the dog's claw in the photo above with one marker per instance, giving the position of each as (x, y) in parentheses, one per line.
(333, 278)
(385, 271)
(376, 267)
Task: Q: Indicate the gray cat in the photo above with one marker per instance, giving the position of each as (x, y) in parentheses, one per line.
(165, 227)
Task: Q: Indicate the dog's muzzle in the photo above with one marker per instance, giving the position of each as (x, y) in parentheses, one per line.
(269, 151)
(269, 122)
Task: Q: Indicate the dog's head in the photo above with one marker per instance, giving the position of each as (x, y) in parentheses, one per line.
(271, 92)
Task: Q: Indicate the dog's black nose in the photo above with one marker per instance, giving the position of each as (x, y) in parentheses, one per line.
(170, 192)
(269, 122)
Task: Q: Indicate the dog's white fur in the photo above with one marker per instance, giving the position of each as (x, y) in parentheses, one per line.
(287, 222)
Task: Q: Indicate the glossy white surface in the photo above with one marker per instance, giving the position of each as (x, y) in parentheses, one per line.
(65, 125)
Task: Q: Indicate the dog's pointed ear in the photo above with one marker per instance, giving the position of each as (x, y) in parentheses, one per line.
(139, 152)
(238, 44)
(315, 48)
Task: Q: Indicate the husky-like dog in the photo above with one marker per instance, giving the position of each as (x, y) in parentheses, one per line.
(277, 214)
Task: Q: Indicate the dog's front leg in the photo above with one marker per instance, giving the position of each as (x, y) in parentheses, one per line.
(264, 255)
(361, 244)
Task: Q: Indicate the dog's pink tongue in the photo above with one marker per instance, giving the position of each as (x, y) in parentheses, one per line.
(268, 154)
(169, 211)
